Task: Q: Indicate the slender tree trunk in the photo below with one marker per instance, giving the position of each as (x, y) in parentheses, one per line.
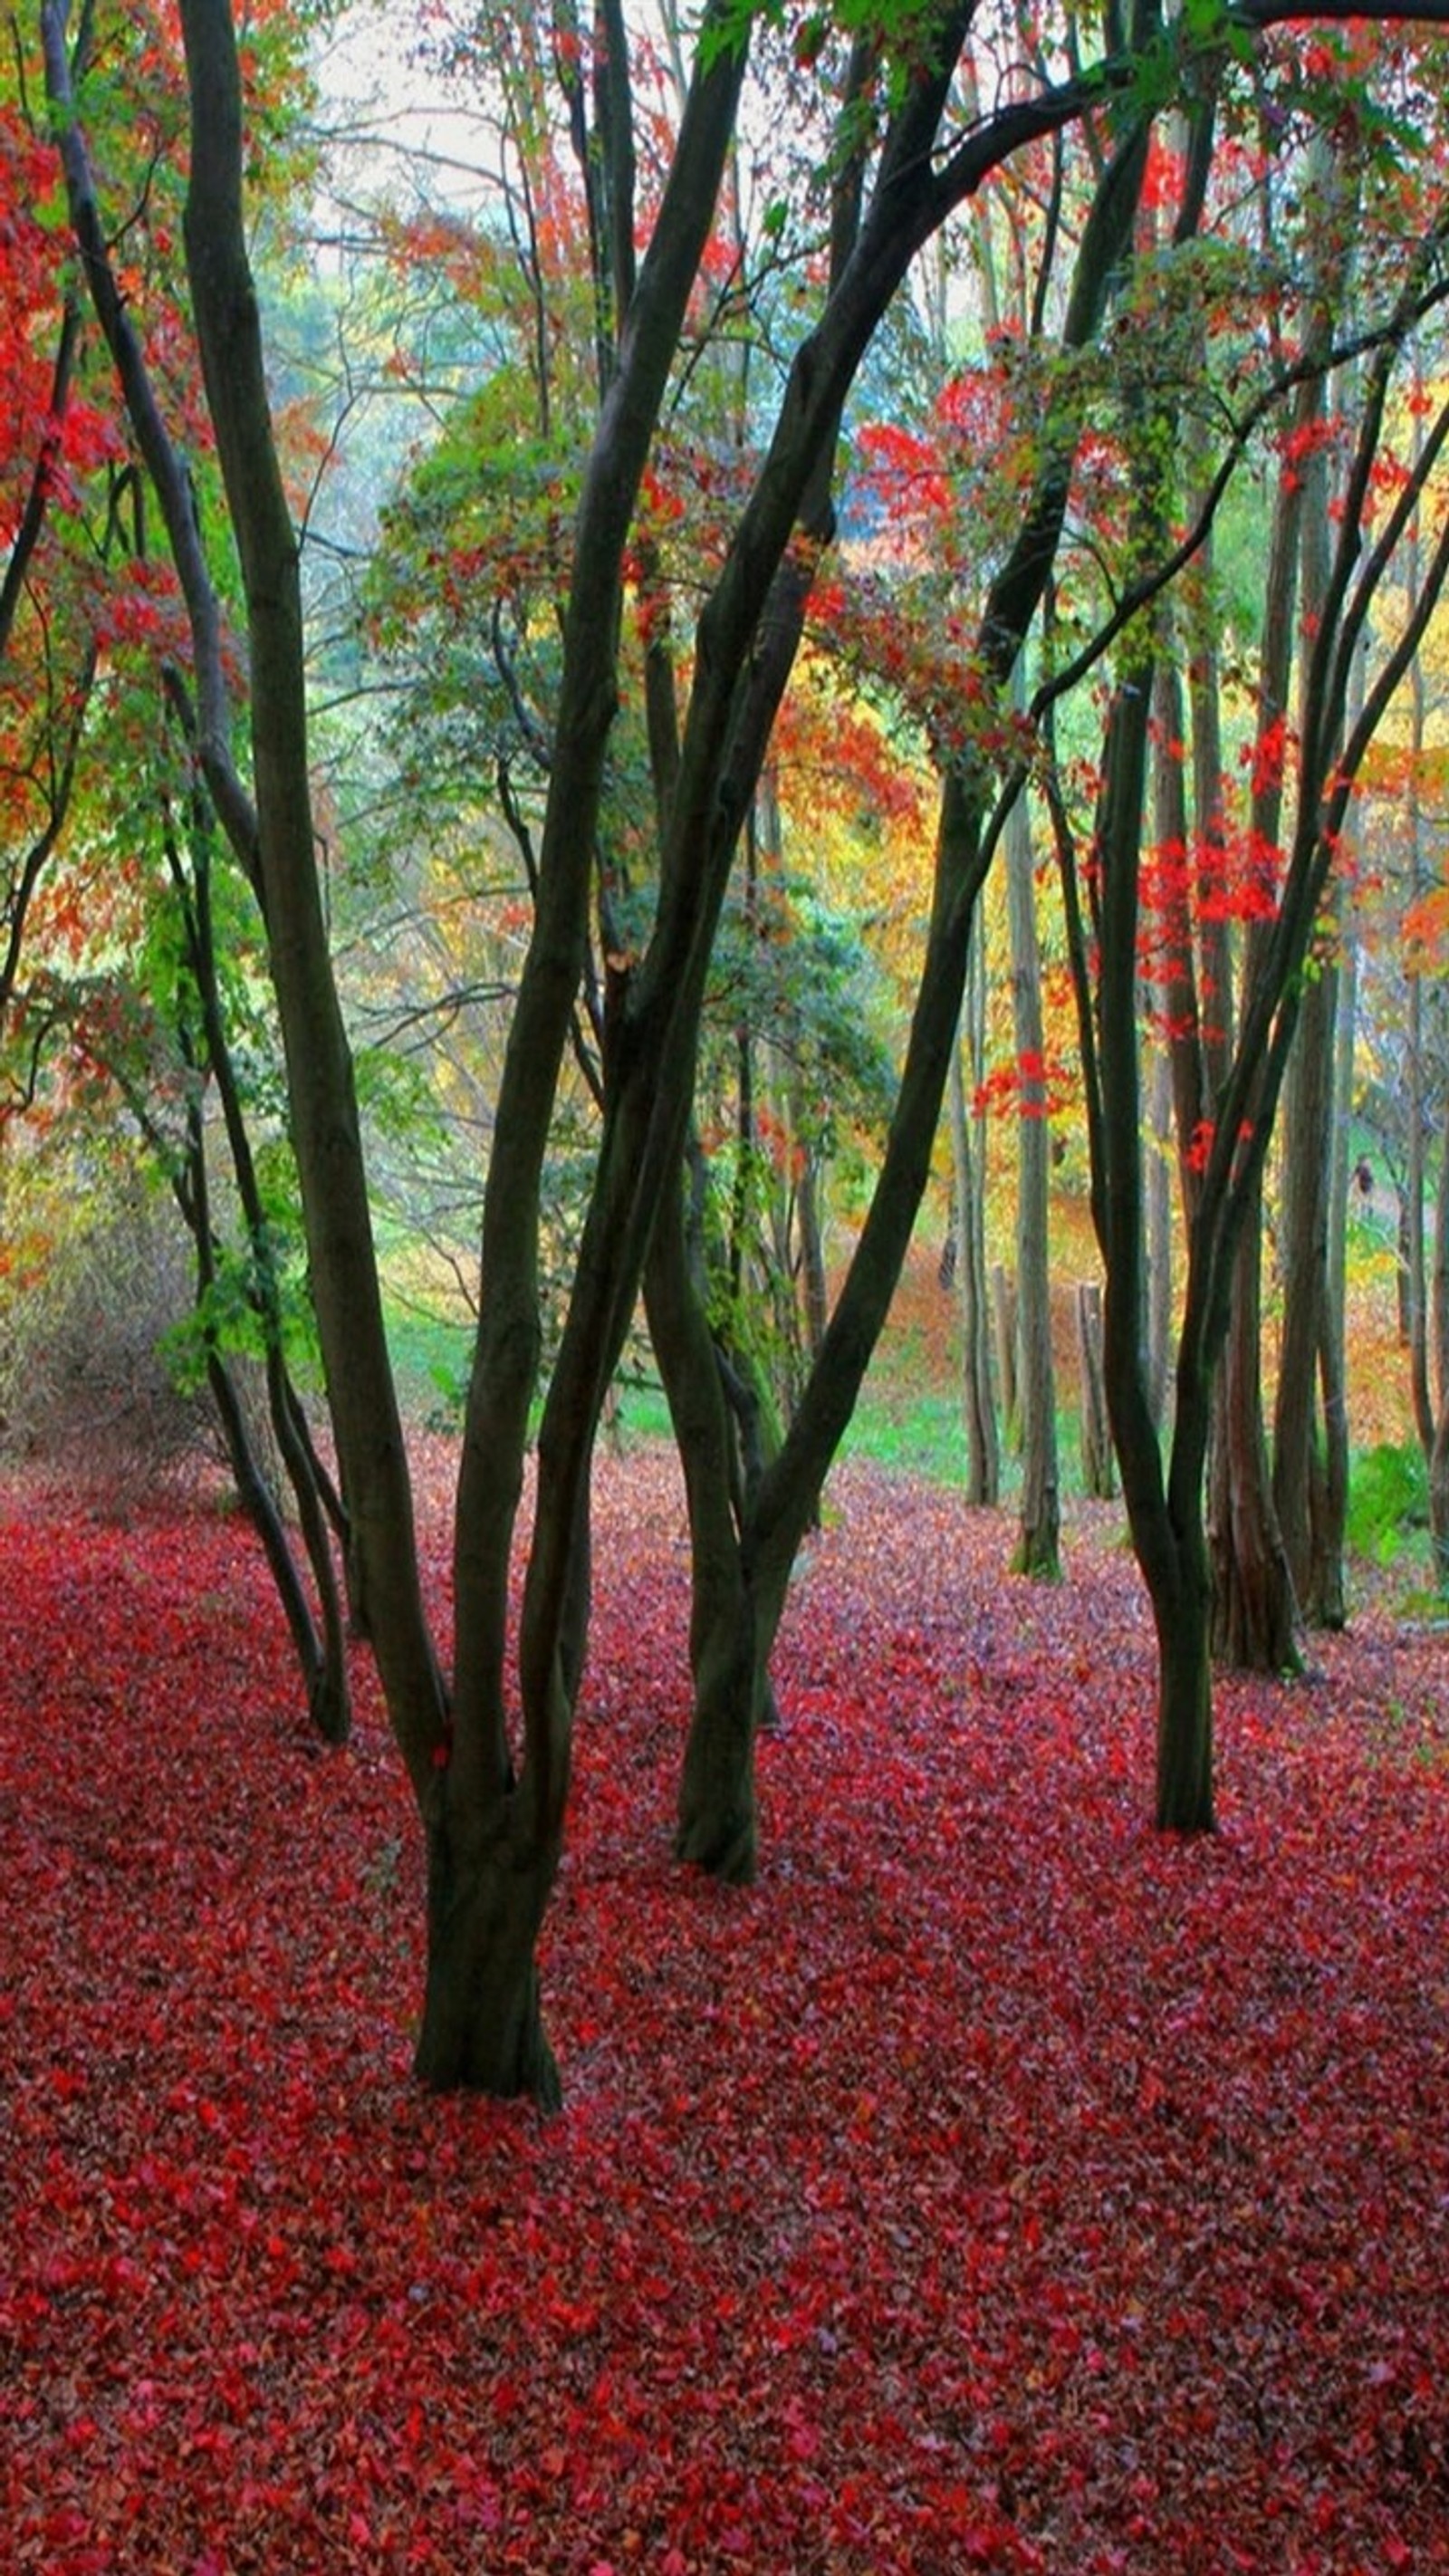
(1254, 1623)
(815, 1290)
(1413, 1266)
(1306, 1163)
(1038, 1545)
(1305, 1192)
(1097, 1476)
(1255, 1616)
(321, 1647)
(1327, 1603)
(1438, 1455)
(1182, 1617)
(1173, 999)
(983, 1448)
(1165, 1515)
(716, 1820)
(1006, 1343)
(1158, 1186)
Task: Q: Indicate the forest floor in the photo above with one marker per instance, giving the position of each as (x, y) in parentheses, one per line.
(995, 2184)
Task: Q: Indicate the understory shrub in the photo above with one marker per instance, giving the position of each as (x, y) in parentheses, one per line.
(93, 1285)
(1388, 1500)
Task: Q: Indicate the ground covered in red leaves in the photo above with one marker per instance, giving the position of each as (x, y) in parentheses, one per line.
(994, 2185)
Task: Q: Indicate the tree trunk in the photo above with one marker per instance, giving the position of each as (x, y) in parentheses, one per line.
(1038, 1545)
(1175, 1083)
(1299, 1472)
(1438, 1454)
(1182, 1615)
(482, 2025)
(1304, 1191)
(1158, 1187)
(1004, 1337)
(321, 1658)
(1255, 1615)
(1254, 1621)
(1327, 1603)
(1097, 1477)
(983, 1448)
(716, 1818)
(814, 1286)
(321, 1654)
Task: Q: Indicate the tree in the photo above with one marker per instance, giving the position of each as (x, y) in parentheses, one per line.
(494, 1826)
(1224, 1152)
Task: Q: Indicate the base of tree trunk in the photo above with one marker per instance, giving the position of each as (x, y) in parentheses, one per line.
(725, 1846)
(1185, 1731)
(1037, 1554)
(329, 1703)
(1255, 1617)
(482, 2027)
(717, 1829)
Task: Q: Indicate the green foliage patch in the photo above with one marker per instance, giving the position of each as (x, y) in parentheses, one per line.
(1388, 1501)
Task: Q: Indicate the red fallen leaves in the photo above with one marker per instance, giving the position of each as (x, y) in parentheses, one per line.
(995, 2185)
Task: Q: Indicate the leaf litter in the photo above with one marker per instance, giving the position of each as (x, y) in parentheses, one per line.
(995, 2184)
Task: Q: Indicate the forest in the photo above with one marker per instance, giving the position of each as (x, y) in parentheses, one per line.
(724, 1283)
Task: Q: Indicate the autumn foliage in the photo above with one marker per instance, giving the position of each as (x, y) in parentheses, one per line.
(996, 2184)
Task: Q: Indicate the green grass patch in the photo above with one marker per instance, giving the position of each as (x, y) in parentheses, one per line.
(430, 1356)
(1388, 1501)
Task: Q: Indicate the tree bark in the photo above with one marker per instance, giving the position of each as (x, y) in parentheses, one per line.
(983, 1447)
(482, 2021)
(1097, 1476)
(1254, 1622)
(1006, 1342)
(1306, 1209)
(1327, 1603)
(1185, 1799)
(1298, 1455)
(1255, 1615)
(1438, 1451)
(717, 1825)
(1038, 1544)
